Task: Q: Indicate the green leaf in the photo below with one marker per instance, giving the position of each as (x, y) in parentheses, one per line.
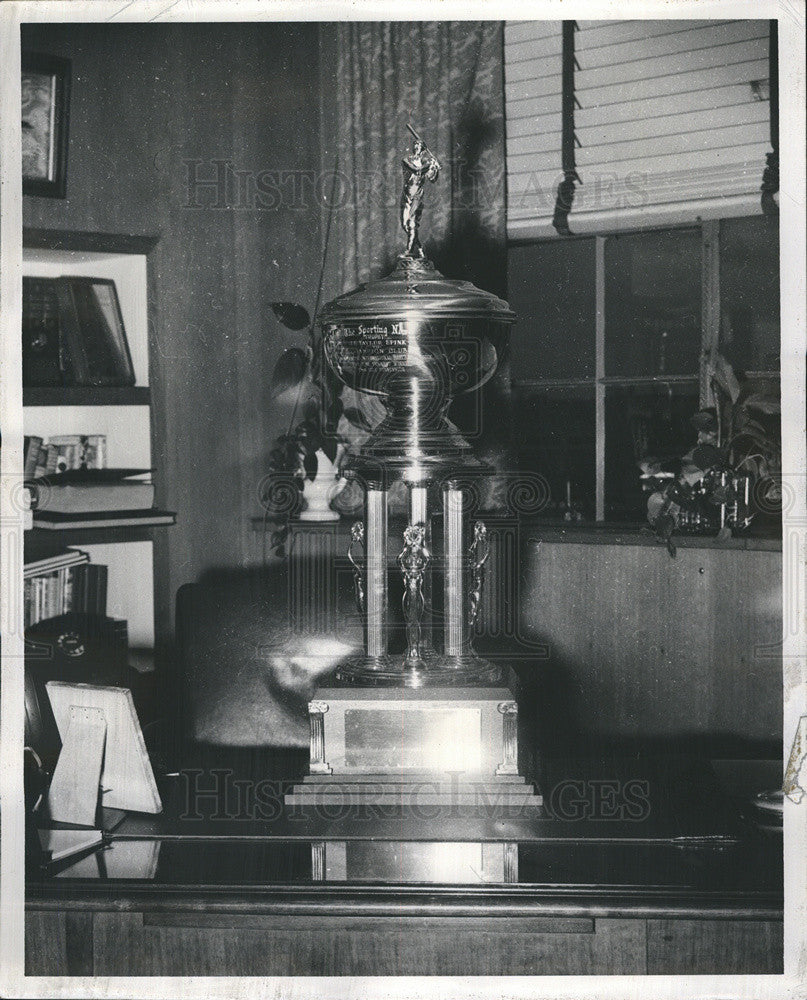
(292, 316)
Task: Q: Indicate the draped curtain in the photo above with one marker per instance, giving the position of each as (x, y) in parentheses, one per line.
(445, 79)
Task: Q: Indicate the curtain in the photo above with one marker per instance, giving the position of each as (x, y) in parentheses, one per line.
(445, 79)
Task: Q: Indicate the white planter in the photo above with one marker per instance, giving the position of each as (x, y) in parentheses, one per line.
(319, 492)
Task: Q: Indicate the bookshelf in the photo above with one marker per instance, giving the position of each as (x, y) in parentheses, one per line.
(122, 414)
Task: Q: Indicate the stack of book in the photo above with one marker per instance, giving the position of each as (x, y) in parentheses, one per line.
(81, 498)
(57, 580)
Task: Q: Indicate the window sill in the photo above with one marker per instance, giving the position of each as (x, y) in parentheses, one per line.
(637, 534)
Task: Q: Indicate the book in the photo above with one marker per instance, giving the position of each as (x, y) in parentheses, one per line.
(44, 355)
(45, 555)
(51, 521)
(90, 497)
(92, 323)
(89, 588)
(32, 445)
(74, 491)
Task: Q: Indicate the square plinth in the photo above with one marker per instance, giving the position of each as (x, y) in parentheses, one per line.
(387, 731)
(414, 749)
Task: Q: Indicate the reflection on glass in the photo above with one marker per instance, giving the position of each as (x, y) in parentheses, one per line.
(644, 423)
(653, 303)
(554, 434)
(749, 293)
(550, 287)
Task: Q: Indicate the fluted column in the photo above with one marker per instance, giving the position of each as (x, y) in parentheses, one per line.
(376, 561)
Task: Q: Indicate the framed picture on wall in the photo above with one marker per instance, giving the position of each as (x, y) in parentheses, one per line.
(45, 111)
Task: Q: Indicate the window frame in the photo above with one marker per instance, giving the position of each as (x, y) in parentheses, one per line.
(600, 382)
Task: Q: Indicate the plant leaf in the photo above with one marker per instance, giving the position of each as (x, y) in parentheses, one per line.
(706, 456)
(289, 371)
(292, 316)
(329, 446)
(357, 418)
(762, 403)
(310, 465)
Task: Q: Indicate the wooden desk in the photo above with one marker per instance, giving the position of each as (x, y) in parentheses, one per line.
(245, 896)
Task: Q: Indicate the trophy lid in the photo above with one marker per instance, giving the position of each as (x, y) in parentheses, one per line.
(416, 288)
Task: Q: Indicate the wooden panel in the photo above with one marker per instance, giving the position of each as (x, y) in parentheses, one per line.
(385, 946)
(219, 260)
(712, 947)
(45, 943)
(642, 645)
(290, 922)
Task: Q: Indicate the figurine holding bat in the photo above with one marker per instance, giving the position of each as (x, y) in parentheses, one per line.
(421, 166)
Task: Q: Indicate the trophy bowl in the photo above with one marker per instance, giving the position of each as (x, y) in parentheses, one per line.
(415, 339)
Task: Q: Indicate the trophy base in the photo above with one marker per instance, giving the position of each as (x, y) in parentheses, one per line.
(452, 747)
(431, 670)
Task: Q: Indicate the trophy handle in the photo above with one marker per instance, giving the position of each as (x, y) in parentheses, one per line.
(357, 538)
(478, 552)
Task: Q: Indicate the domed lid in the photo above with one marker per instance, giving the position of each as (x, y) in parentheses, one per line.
(415, 287)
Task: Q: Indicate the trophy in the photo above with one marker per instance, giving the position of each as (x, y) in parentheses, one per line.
(415, 339)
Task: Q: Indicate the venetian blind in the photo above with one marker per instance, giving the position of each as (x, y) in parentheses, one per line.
(668, 119)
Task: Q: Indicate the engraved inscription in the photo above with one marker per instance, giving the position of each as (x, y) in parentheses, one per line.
(384, 346)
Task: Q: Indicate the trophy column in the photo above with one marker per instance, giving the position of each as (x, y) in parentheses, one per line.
(456, 636)
(376, 533)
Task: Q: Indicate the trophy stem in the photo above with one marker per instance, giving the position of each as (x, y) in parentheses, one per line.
(376, 562)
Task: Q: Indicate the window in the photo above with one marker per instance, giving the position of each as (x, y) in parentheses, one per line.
(608, 348)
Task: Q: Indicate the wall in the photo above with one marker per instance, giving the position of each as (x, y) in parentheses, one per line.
(146, 98)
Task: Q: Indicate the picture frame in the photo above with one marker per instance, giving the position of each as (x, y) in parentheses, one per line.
(45, 89)
(94, 334)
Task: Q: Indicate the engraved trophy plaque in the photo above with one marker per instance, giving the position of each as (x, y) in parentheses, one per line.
(415, 339)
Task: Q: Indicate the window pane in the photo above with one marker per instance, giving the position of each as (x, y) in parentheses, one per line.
(653, 303)
(749, 293)
(640, 423)
(554, 436)
(550, 287)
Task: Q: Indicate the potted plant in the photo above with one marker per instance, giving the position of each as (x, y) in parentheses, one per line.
(734, 470)
(308, 456)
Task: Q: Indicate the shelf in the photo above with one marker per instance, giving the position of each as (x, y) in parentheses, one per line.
(86, 395)
(86, 242)
(91, 535)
